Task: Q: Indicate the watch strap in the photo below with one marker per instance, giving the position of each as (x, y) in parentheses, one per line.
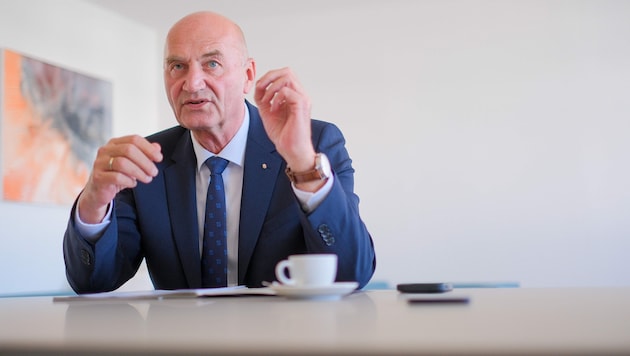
(317, 173)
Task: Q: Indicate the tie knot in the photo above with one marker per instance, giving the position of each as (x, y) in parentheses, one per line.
(216, 164)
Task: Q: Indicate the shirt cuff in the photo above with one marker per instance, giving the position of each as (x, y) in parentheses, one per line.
(311, 200)
(92, 232)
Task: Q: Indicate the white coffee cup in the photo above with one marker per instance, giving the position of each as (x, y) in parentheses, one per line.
(308, 270)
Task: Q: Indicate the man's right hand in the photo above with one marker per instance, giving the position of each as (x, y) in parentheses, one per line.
(119, 164)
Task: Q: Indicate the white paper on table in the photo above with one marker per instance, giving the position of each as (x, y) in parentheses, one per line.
(176, 293)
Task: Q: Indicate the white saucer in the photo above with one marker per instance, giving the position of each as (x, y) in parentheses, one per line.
(331, 292)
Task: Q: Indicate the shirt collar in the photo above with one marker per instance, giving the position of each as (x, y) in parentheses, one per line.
(233, 152)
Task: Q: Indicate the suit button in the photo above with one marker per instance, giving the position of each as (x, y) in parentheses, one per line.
(86, 258)
(326, 234)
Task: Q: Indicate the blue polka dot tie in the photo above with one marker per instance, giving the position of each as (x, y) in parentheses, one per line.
(214, 254)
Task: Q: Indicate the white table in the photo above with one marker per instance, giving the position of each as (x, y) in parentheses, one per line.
(496, 321)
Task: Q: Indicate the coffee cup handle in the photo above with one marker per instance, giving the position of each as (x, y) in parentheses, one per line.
(281, 268)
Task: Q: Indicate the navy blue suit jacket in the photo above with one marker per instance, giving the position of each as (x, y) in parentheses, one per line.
(158, 221)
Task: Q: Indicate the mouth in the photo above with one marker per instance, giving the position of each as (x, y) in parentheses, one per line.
(196, 102)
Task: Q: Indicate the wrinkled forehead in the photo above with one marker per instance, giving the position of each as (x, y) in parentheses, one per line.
(202, 34)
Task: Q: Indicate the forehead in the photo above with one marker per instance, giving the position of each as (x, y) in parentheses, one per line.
(198, 37)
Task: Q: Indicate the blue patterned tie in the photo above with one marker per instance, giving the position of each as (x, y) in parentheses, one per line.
(214, 254)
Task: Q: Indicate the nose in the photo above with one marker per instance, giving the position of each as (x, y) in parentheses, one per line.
(194, 80)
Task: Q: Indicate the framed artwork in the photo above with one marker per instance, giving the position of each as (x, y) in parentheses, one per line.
(53, 121)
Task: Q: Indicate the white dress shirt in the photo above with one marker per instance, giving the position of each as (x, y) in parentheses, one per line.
(234, 152)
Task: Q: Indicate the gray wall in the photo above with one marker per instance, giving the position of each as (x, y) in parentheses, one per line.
(490, 138)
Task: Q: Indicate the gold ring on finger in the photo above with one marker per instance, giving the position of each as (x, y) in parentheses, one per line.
(111, 163)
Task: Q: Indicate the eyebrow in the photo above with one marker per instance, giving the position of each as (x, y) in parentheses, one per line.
(211, 54)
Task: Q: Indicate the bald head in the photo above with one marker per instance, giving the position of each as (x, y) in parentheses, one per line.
(208, 27)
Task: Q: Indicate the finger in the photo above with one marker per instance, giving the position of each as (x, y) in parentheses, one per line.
(265, 93)
(150, 149)
(133, 156)
(127, 172)
(273, 75)
(110, 173)
(272, 82)
(278, 95)
(103, 185)
(283, 97)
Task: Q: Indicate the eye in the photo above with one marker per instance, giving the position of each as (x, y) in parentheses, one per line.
(176, 67)
(213, 64)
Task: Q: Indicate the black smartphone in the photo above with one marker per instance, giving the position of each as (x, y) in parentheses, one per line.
(442, 299)
(424, 287)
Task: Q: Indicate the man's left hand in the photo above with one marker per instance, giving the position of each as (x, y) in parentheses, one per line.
(286, 114)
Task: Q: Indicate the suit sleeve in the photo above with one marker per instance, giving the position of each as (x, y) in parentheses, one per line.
(103, 265)
(335, 226)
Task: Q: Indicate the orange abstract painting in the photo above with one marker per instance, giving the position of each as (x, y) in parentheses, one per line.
(53, 121)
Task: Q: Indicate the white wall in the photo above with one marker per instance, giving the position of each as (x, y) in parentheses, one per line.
(490, 138)
(87, 39)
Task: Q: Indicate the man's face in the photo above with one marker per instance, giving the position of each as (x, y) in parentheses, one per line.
(206, 75)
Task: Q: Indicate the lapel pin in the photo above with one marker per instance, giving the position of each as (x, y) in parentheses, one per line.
(264, 166)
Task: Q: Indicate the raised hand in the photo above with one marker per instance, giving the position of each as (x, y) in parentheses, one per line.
(286, 113)
(119, 164)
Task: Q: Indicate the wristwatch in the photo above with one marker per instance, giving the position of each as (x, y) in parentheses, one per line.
(321, 171)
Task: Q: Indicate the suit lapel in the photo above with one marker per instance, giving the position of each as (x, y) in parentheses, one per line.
(179, 179)
(261, 168)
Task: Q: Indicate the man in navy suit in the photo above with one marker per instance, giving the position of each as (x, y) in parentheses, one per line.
(144, 196)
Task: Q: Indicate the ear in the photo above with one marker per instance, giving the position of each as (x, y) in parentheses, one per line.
(250, 75)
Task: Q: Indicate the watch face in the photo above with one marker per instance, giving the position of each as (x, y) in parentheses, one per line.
(324, 164)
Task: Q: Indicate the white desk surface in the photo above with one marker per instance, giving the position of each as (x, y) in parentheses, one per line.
(496, 321)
